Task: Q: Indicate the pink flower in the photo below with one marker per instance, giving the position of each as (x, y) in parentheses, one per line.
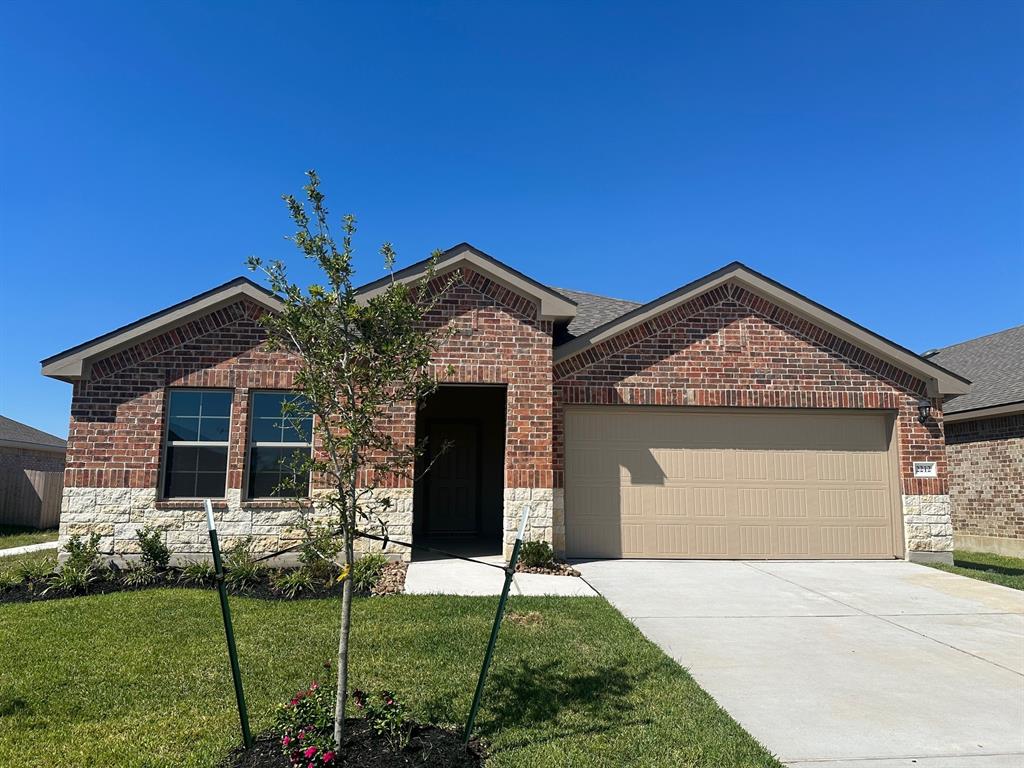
(286, 741)
(302, 735)
(328, 757)
(310, 752)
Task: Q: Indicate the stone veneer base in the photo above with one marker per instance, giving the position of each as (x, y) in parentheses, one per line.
(927, 528)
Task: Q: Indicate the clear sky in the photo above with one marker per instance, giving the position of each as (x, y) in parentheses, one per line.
(867, 154)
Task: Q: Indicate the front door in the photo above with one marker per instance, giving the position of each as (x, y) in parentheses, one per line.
(453, 478)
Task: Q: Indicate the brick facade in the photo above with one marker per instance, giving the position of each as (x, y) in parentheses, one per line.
(986, 482)
(729, 347)
(115, 439)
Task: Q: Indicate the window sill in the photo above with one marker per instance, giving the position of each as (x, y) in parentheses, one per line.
(190, 504)
(275, 503)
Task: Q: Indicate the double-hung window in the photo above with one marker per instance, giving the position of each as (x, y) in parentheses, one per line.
(280, 441)
(196, 448)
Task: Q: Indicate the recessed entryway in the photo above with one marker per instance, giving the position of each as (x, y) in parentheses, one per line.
(458, 499)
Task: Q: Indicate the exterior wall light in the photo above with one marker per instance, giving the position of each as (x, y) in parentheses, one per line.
(924, 410)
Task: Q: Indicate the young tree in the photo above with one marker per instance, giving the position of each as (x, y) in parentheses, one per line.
(359, 357)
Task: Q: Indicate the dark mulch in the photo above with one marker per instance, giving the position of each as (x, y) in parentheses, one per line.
(555, 569)
(429, 747)
(391, 582)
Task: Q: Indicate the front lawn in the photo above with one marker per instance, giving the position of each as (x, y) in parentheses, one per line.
(19, 536)
(141, 679)
(998, 569)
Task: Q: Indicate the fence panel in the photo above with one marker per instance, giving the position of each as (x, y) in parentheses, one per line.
(30, 497)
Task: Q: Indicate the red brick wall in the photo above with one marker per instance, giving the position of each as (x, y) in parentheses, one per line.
(729, 347)
(498, 340)
(986, 476)
(26, 458)
(117, 416)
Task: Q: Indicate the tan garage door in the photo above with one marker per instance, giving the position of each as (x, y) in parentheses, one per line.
(730, 483)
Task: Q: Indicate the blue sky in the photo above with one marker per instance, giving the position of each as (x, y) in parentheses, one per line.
(868, 155)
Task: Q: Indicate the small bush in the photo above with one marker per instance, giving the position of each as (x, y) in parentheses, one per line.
(72, 579)
(306, 726)
(240, 567)
(291, 583)
(320, 546)
(155, 554)
(83, 555)
(366, 571)
(198, 572)
(537, 554)
(9, 579)
(140, 577)
(386, 715)
(34, 569)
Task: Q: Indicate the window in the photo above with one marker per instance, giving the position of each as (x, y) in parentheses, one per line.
(277, 445)
(196, 452)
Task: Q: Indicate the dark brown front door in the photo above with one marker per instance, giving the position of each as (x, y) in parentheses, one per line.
(453, 479)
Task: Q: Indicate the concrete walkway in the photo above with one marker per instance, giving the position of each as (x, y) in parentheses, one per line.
(28, 548)
(841, 664)
(458, 577)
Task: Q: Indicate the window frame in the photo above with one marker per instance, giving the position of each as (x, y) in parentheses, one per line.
(168, 443)
(250, 444)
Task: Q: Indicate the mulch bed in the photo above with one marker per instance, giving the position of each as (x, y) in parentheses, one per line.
(391, 582)
(429, 747)
(555, 569)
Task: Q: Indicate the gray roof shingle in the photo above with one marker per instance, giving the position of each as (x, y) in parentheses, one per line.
(16, 432)
(593, 310)
(993, 363)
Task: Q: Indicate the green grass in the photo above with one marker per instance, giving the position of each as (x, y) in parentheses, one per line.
(141, 679)
(19, 536)
(998, 569)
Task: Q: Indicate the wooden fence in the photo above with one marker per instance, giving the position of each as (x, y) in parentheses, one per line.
(30, 497)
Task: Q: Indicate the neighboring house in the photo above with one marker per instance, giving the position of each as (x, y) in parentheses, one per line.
(730, 418)
(985, 442)
(31, 475)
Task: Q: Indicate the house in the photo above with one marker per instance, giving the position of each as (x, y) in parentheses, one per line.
(31, 475)
(985, 442)
(730, 418)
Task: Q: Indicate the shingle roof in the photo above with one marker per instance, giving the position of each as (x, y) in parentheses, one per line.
(995, 366)
(593, 310)
(12, 431)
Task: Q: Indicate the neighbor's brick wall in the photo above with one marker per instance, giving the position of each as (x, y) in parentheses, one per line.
(25, 458)
(986, 476)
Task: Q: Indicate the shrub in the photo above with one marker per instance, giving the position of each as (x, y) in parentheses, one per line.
(155, 554)
(366, 571)
(386, 716)
(537, 554)
(83, 555)
(198, 572)
(319, 548)
(306, 726)
(34, 569)
(9, 579)
(291, 583)
(140, 577)
(240, 567)
(72, 578)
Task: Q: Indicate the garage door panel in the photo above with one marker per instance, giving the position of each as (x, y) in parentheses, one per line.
(716, 483)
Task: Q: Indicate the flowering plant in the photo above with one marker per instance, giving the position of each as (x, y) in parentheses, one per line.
(386, 715)
(306, 725)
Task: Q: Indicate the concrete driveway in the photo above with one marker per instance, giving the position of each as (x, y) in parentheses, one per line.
(841, 664)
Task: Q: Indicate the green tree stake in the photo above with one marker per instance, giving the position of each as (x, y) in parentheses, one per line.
(236, 673)
(509, 573)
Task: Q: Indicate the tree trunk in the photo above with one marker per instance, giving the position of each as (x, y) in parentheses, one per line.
(346, 624)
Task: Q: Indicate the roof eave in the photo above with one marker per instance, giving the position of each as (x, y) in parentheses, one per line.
(76, 363)
(986, 412)
(551, 305)
(938, 380)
